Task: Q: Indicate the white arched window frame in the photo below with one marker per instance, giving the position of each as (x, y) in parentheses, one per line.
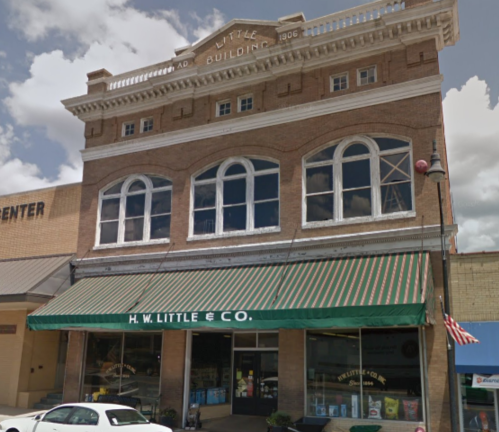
(250, 175)
(375, 155)
(123, 195)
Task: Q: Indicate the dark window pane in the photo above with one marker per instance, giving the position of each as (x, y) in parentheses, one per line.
(356, 150)
(205, 195)
(393, 355)
(235, 169)
(211, 173)
(158, 182)
(319, 179)
(356, 174)
(260, 164)
(161, 202)
(395, 168)
(266, 187)
(204, 222)
(83, 416)
(160, 227)
(58, 415)
(390, 143)
(357, 203)
(326, 154)
(134, 229)
(234, 191)
(110, 209)
(396, 197)
(320, 208)
(109, 232)
(267, 214)
(135, 205)
(137, 186)
(235, 218)
(116, 189)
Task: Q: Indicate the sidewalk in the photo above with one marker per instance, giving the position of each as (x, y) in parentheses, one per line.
(8, 412)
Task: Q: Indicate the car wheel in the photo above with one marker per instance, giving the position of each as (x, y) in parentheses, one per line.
(12, 430)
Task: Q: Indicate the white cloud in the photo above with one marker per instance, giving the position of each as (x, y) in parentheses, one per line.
(16, 175)
(208, 24)
(3, 54)
(472, 136)
(110, 35)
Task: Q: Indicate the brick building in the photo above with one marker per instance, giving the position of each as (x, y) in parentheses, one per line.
(475, 289)
(253, 234)
(38, 236)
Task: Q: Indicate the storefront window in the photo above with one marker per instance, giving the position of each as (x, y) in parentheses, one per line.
(122, 364)
(369, 374)
(478, 406)
(391, 375)
(210, 368)
(333, 382)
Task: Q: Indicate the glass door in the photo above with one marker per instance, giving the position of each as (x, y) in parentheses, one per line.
(255, 382)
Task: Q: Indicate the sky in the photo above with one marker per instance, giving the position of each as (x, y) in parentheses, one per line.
(48, 46)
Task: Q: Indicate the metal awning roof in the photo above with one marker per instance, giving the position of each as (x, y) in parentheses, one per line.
(33, 277)
(346, 292)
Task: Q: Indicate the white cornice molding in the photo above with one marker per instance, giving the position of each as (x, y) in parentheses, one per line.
(437, 20)
(389, 93)
(370, 243)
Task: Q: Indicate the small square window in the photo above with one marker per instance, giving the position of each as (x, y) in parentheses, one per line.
(367, 76)
(245, 103)
(146, 124)
(339, 82)
(223, 108)
(128, 129)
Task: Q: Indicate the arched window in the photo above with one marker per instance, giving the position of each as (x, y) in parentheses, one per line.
(239, 195)
(135, 211)
(358, 179)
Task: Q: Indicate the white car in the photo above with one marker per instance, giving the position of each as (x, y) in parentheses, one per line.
(84, 417)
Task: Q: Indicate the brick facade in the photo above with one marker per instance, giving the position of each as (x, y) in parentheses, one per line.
(285, 83)
(51, 232)
(474, 286)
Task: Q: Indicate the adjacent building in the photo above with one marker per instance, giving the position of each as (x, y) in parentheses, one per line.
(253, 234)
(474, 293)
(38, 236)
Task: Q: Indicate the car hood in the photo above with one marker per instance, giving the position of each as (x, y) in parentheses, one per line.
(19, 423)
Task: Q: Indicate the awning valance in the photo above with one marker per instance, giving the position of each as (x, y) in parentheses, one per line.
(381, 290)
(482, 358)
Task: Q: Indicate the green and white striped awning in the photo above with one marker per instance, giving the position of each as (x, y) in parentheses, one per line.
(383, 290)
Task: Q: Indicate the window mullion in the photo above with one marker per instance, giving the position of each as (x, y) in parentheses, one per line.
(219, 206)
(250, 205)
(146, 234)
(338, 189)
(121, 222)
(375, 185)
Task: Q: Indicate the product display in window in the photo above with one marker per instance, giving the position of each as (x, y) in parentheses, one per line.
(386, 387)
(478, 406)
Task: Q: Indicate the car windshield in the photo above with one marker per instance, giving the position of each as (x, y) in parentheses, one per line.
(122, 417)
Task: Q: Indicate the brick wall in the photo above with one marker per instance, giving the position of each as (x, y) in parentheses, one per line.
(291, 372)
(475, 286)
(74, 365)
(52, 233)
(417, 118)
(172, 370)
(414, 62)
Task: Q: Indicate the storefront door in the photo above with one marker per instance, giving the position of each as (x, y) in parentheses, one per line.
(255, 382)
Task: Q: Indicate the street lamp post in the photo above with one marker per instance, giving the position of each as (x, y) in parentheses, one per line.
(436, 173)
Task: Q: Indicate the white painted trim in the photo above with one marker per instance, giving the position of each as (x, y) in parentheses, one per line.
(241, 98)
(390, 93)
(142, 123)
(229, 234)
(225, 101)
(123, 128)
(328, 247)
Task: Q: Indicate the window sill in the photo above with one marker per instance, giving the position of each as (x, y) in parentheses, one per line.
(131, 244)
(352, 221)
(234, 234)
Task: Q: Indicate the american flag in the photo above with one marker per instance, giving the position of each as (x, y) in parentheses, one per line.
(460, 335)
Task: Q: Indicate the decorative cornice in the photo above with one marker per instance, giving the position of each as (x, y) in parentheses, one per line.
(347, 102)
(371, 243)
(157, 85)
